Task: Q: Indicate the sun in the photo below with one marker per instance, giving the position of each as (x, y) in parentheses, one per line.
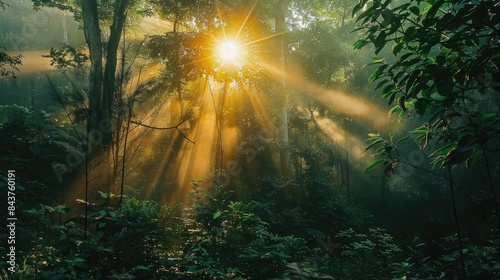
(229, 51)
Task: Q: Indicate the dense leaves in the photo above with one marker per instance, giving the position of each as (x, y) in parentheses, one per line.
(32, 139)
(445, 65)
(9, 63)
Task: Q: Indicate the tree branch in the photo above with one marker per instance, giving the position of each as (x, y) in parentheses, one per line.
(176, 127)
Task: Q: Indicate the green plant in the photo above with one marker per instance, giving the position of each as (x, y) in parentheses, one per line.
(225, 238)
(304, 271)
(362, 256)
(119, 244)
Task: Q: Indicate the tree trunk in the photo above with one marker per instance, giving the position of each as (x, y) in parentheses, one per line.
(280, 27)
(119, 17)
(93, 39)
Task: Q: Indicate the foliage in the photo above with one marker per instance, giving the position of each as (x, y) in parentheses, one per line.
(178, 52)
(32, 139)
(119, 244)
(319, 53)
(445, 68)
(66, 56)
(363, 256)
(9, 63)
(303, 271)
(483, 261)
(225, 239)
(445, 64)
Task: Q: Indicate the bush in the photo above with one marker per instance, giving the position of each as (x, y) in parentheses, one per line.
(224, 239)
(121, 243)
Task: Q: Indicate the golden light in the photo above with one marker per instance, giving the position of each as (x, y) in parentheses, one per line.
(229, 51)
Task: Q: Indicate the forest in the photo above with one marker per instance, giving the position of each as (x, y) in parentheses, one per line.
(250, 139)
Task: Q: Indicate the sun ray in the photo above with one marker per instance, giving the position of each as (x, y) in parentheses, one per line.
(169, 160)
(263, 38)
(221, 19)
(246, 19)
(348, 104)
(343, 139)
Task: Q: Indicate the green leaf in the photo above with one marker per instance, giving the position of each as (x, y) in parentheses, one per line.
(401, 102)
(377, 60)
(415, 10)
(380, 41)
(373, 164)
(396, 48)
(359, 44)
(373, 144)
(444, 150)
(368, 12)
(410, 33)
(388, 18)
(402, 139)
(379, 85)
(458, 155)
(389, 89)
(394, 110)
(356, 9)
(421, 106)
(378, 72)
(392, 97)
(217, 214)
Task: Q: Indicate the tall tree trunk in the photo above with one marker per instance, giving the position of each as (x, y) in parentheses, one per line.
(280, 28)
(119, 17)
(93, 38)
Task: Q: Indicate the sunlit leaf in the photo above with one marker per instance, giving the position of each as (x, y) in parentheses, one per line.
(394, 110)
(373, 164)
(444, 150)
(359, 44)
(217, 214)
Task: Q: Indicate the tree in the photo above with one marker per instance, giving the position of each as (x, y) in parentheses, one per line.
(280, 27)
(446, 61)
(445, 68)
(103, 54)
